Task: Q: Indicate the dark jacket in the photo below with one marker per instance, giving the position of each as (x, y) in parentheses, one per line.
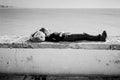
(55, 37)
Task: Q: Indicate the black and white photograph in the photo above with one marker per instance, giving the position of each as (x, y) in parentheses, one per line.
(59, 39)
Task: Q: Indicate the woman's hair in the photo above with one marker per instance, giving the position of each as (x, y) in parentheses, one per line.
(45, 31)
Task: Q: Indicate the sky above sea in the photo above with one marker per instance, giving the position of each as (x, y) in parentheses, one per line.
(62, 3)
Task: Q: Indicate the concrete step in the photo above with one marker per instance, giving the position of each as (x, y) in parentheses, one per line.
(64, 45)
(63, 58)
(39, 77)
(59, 61)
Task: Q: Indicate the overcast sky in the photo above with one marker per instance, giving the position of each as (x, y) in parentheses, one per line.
(62, 3)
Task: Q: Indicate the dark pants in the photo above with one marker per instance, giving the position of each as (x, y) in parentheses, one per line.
(81, 37)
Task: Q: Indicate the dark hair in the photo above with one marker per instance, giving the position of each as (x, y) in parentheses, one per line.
(45, 31)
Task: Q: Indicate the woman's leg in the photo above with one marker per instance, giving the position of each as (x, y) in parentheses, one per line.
(89, 37)
(85, 36)
(100, 37)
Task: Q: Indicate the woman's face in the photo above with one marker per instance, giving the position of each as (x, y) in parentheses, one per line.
(39, 36)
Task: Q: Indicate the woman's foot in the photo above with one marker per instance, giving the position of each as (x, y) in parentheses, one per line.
(103, 36)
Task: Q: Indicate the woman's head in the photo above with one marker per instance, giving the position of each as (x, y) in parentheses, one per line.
(45, 31)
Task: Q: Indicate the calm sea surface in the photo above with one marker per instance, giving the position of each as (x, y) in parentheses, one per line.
(26, 21)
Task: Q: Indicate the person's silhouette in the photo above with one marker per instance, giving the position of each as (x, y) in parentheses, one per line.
(58, 36)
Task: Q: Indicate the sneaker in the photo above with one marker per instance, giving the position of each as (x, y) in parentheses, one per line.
(103, 36)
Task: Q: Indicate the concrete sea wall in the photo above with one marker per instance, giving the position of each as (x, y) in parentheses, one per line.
(60, 61)
(19, 56)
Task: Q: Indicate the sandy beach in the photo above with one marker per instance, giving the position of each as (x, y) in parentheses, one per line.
(92, 21)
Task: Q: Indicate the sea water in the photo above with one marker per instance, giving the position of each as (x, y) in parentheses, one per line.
(92, 21)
